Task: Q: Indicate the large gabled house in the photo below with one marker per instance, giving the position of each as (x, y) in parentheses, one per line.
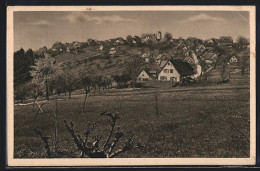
(175, 70)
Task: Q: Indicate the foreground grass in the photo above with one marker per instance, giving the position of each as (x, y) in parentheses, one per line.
(189, 124)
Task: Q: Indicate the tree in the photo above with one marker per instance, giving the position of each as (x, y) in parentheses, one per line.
(22, 62)
(36, 90)
(132, 70)
(129, 39)
(60, 83)
(229, 38)
(117, 79)
(125, 77)
(168, 36)
(44, 70)
(107, 81)
(242, 42)
(71, 82)
(99, 82)
(244, 63)
(86, 84)
(21, 92)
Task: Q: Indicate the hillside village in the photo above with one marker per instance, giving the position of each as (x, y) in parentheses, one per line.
(153, 56)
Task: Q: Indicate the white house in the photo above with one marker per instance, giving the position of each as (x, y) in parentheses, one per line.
(233, 59)
(175, 70)
(101, 47)
(144, 75)
(112, 51)
(144, 55)
(146, 59)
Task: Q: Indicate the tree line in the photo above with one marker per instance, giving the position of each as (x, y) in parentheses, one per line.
(47, 76)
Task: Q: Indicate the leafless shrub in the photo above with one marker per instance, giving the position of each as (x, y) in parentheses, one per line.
(93, 149)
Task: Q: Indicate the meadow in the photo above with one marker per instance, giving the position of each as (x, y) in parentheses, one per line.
(210, 122)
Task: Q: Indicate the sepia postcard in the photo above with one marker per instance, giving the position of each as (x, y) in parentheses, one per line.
(131, 85)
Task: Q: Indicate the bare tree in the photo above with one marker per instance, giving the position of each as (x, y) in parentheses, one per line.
(93, 149)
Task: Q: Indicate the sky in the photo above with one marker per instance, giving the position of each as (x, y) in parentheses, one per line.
(35, 29)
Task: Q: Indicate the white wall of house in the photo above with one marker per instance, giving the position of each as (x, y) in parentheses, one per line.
(169, 73)
(146, 59)
(143, 76)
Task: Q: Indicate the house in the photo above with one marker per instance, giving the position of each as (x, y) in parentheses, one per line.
(144, 55)
(119, 41)
(146, 59)
(146, 37)
(189, 60)
(153, 73)
(209, 56)
(67, 49)
(158, 36)
(233, 59)
(200, 47)
(57, 46)
(42, 50)
(112, 51)
(144, 75)
(210, 41)
(175, 70)
(101, 47)
(225, 42)
(159, 58)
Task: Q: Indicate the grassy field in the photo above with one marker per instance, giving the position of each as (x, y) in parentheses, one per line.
(208, 121)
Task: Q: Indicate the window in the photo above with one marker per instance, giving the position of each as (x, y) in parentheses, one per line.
(163, 78)
(173, 79)
(169, 63)
(166, 71)
(171, 70)
(140, 79)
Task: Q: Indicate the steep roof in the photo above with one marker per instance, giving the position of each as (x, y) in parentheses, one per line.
(207, 55)
(182, 67)
(163, 62)
(146, 70)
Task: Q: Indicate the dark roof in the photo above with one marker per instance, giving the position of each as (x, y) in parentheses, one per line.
(207, 55)
(182, 67)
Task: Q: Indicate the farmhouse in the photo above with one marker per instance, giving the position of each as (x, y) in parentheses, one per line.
(175, 70)
(144, 75)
